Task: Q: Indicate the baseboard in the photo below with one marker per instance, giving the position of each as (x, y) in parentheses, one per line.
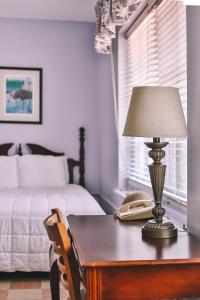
(105, 203)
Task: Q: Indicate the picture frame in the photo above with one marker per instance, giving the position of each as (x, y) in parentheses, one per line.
(20, 95)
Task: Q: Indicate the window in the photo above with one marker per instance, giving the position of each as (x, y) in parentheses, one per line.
(154, 54)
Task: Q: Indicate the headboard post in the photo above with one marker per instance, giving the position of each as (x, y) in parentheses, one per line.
(20, 150)
(82, 157)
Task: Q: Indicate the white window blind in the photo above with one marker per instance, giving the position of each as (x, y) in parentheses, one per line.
(155, 55)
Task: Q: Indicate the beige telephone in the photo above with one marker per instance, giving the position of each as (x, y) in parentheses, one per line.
(135, 210)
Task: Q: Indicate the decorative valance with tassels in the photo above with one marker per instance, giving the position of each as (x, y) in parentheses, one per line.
(111, 13)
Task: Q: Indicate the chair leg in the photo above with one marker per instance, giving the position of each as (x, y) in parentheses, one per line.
(54, 281)
(54, 275)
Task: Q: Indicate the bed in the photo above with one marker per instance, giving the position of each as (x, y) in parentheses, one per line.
(24, 245)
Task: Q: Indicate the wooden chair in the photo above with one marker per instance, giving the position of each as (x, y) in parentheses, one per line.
(66, 261)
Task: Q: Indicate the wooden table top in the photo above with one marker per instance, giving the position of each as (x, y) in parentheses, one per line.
(106, 241)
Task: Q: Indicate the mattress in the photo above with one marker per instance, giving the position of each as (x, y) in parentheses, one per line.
(24, 244)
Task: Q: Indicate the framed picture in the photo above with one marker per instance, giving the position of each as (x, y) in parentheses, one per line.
(20, 95)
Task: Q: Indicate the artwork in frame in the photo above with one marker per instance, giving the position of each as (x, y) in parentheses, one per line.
(20, 95)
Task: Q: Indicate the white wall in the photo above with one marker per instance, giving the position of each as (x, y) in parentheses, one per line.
(193, 42)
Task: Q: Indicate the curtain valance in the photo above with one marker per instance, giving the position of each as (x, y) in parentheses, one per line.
(109, 14)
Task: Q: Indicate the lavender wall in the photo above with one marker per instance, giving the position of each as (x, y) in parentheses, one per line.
(70, 82)
(193, 42)
(108, 134)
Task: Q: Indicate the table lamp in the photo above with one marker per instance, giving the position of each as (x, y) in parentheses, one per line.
(156, 112)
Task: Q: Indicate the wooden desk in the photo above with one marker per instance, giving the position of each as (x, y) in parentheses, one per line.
(118, 264)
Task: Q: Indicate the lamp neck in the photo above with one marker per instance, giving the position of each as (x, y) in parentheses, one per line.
(156, 140)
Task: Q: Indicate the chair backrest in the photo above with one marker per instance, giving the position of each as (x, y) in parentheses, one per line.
(59, 237)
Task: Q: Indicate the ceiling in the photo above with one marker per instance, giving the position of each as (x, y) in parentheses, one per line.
(70, 10)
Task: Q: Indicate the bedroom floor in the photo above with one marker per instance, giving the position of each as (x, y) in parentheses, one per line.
(26, 286)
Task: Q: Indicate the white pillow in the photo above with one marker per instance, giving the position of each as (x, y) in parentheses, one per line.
(42, 171)
(8, 172)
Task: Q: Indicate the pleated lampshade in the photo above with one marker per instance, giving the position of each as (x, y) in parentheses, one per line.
(155, 111)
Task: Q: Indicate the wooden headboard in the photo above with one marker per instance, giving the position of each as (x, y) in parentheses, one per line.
(72, 163)
(4, 148)
(38, 149)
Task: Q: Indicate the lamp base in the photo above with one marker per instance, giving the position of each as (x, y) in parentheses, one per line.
(164, 230)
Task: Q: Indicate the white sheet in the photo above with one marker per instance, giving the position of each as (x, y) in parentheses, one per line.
(24, 244)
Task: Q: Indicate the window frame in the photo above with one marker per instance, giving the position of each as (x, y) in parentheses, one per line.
(124, 33)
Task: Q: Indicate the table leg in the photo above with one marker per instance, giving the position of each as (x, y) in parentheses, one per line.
(93, 284)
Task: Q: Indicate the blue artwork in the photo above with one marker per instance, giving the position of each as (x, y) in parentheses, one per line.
(19, 95)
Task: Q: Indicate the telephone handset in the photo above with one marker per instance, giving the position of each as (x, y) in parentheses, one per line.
(135, 210)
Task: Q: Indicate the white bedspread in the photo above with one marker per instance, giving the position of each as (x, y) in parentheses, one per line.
(24, 244)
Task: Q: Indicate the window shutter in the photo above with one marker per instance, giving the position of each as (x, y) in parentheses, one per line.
(156, 55)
